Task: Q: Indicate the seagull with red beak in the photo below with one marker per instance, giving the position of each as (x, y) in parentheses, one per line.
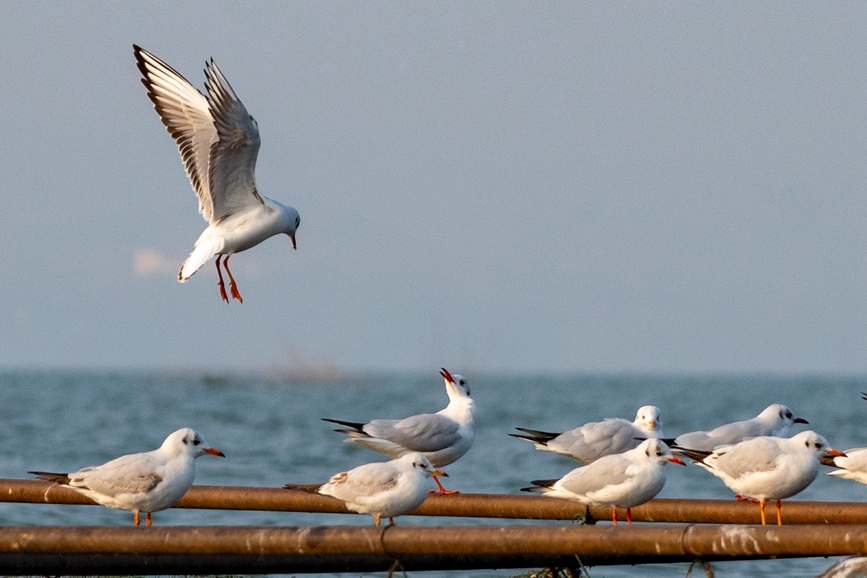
(622, 480)
(146, 482)
(219, 142)
(441, 437)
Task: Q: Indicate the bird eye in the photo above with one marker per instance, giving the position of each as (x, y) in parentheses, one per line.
(463, 382)
(789, 414)
(197, 441)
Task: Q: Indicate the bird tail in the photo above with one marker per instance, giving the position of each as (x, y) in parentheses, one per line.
(309, 488)
(52, 477)
(206, 247)
(695, 455)
(535, 436)
(355, 429)
(540, 486)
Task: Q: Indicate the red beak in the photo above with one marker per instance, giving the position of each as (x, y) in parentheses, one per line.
(676, 461)
(446, 375)
(215, 452)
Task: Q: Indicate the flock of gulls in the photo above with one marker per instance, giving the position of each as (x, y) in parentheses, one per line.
(622, 461)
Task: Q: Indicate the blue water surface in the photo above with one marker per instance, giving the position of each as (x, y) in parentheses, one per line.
(270, 430)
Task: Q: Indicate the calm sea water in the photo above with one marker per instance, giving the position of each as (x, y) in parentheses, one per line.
(269, 428)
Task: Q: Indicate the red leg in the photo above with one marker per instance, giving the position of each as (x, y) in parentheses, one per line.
(222, 285)
(148, 520)
(779, 515)
(391, 521)
(135, 520)
(762, 508)
(232, 286)
(614, 515)
(442, 490)
(628, 516)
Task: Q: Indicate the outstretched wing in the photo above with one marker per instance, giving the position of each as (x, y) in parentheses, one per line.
(217, 138)
(232, 165)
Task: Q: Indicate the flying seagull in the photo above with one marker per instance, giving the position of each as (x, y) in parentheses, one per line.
(219, 142)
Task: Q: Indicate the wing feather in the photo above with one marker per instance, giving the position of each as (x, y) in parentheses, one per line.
(187, 116)
(232, 163)
(427, 432)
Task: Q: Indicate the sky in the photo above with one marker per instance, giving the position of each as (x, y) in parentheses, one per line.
(502, 187)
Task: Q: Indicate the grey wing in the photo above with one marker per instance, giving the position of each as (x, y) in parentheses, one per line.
(232, 161)
(727, 434)
(606, 471)
(594, 440)
(755, 455)
(128, 474)
(187, 116)
(427, 432)
(363, 481)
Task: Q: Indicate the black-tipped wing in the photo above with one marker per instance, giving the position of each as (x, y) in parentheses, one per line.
(217, 138)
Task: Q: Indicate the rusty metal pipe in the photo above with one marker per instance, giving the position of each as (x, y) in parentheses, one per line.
(239, 549)
(468, 505)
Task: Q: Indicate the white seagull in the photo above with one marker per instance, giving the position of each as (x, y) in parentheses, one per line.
(775, 420)
(442, 437)
(768, 468)
(219, 142)
(146, 482)
(623, 480)
(593, 440)
(381, 489)
(852, 466)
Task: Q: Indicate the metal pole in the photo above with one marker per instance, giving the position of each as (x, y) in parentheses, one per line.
(234, 549)
(469, 505)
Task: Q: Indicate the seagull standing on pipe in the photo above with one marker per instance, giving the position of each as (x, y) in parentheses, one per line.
(219, 142)
(624, 480)
(381, 489)
(146, 482)
(768, 468)
(442, 437)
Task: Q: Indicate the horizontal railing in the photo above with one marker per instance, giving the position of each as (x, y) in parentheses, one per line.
(285, 550)
(506, 506)
(707, 530)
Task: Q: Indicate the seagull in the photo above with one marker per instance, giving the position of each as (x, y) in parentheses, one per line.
(768, 467)
(381, 489)
(622, 480)
(146, 482)
(442, 437)
(775, 421)
(593, 440)
(851, 467)
(219, 142)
